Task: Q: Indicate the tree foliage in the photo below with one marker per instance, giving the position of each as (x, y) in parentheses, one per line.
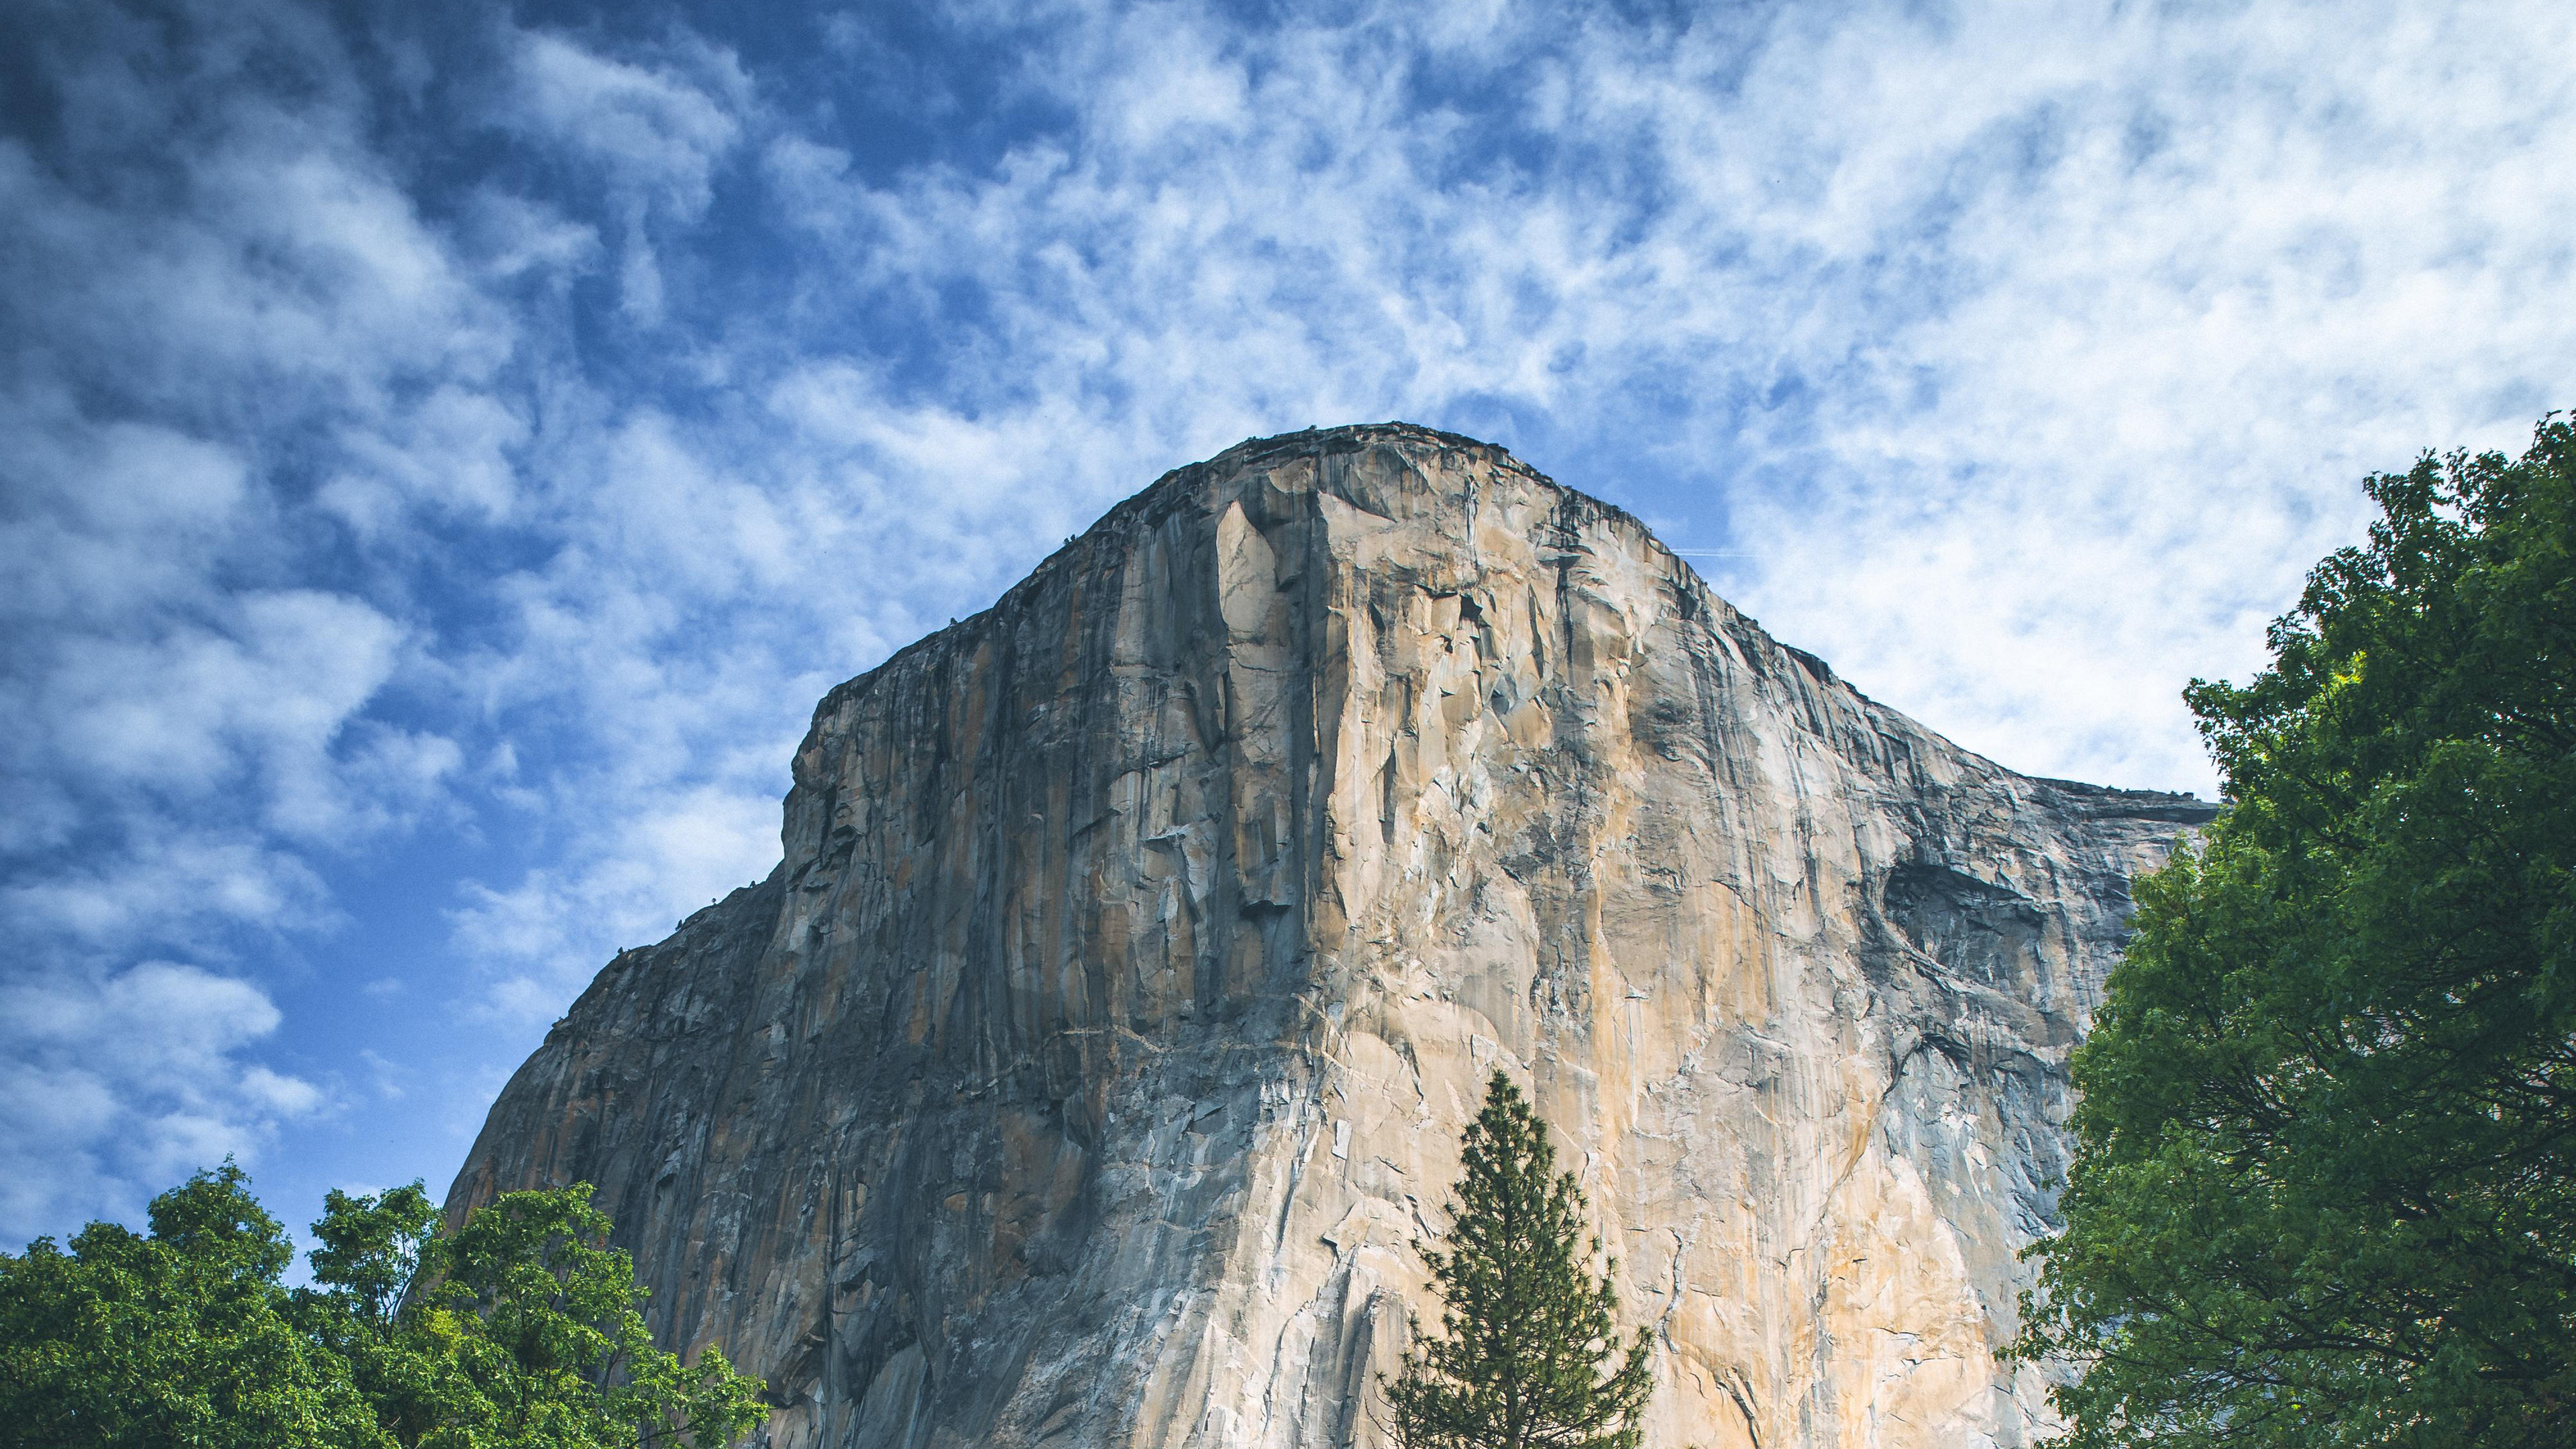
(1529, 1355)
(2325, 1185)
(179, 1337)
(522, 1330)
(541, 1335)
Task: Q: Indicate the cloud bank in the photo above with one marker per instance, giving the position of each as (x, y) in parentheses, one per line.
(452, 450)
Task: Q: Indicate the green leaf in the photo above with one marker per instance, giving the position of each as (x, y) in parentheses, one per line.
(2324, 1191)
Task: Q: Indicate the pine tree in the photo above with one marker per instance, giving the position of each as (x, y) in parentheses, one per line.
(1528, 1333)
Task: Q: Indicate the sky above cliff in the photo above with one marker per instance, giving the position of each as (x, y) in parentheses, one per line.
(449, 448)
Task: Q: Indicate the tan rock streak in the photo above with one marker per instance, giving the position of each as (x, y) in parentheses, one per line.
(1086, 1071)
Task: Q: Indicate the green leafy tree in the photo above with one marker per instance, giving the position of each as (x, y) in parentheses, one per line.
(536, 1327)
(181, 1337)
(2324, 1191)
(1530, 1355)
(370, 1255)
(522, 1330)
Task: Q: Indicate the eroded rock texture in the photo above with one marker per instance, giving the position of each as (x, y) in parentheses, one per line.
(1085, 1072)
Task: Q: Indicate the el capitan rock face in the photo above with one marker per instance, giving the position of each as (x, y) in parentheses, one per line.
(1085, 1071)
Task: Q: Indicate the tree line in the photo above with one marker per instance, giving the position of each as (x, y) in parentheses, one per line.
(521, 1330)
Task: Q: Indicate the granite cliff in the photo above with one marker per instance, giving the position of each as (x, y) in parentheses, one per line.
(1086, 1070)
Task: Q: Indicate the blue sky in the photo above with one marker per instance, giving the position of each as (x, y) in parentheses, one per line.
(452, 447)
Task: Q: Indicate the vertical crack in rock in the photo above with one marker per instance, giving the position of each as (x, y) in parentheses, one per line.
(1088, 1068)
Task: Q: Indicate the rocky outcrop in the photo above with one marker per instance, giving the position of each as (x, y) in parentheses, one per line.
(1088, 1068)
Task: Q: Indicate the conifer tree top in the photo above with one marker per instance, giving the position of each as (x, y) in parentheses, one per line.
(1529, 1354)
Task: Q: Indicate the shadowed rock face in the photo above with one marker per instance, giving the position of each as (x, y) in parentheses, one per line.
(1087, 1069)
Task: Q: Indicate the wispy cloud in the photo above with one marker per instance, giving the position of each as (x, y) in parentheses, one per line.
(480, 442)
(653, 130)
(118, 1080)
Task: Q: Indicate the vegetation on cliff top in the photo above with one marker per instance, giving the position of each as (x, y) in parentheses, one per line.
(2325, 1184)
(522, 1330)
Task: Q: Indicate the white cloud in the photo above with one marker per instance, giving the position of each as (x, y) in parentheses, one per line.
(656, 131)
(131, 1078)
(454, 453)
(200, 880)
(551, 932)
(384, 1074)
(655, 127)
